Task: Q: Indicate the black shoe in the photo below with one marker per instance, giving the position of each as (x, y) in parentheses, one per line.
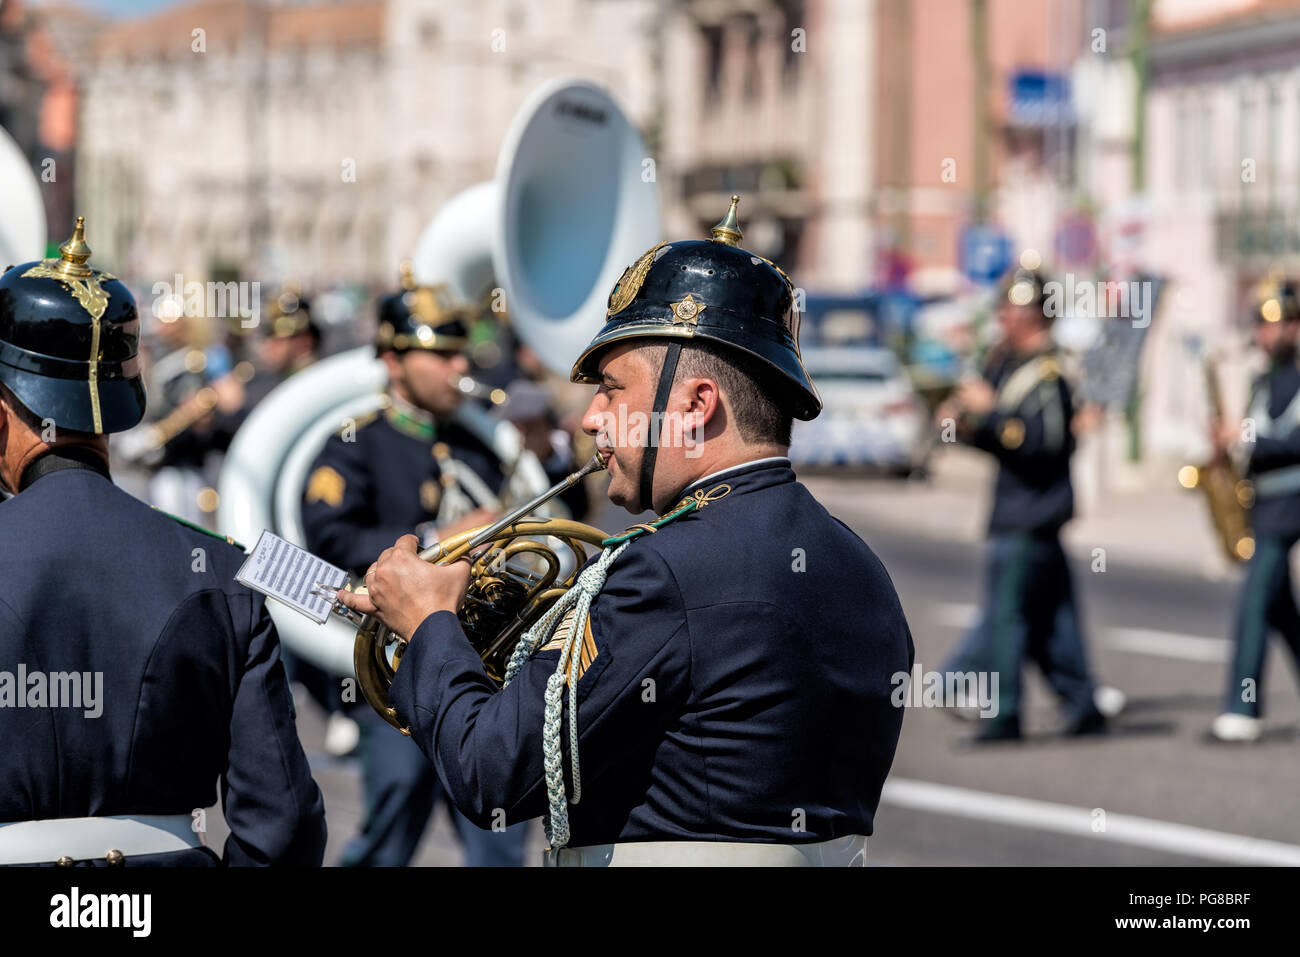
(1092, 723)
(992, 731)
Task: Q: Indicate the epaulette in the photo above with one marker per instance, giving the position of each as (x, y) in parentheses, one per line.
(690, 503)
(1025, 379)
(358, 423)
(199, 528)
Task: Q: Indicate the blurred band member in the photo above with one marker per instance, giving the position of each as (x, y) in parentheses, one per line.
(290, 342)
(1272, 463)
(195, 387)
(1019, 412)
(408, 468)
(528, 409)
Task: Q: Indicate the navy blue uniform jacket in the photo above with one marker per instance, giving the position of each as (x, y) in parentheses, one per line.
(365, 494)
(740, 689)
(93, 580)
(1277, 514)
(1029, 434)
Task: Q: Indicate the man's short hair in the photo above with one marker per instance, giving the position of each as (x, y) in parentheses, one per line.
(750, 388)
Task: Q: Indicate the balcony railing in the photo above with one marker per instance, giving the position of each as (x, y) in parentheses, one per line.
(1257, 231)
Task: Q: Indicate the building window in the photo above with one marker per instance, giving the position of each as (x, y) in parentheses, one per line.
(794, 19)
(1205, 116)
(1182, 141)
(753, 59)
(712, 36)
(1274, 161)
(1245, 124)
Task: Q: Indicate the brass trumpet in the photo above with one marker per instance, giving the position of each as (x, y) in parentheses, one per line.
(512, 584)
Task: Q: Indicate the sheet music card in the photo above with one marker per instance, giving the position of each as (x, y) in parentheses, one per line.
(287, 573)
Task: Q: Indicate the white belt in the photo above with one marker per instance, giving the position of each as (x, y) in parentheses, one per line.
(86, 838)
(849, 851)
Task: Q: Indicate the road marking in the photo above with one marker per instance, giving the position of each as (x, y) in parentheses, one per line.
(1142, 641)
(1168, 644)
(1128, 829)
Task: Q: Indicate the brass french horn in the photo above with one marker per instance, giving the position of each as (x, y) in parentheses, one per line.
(513, 581)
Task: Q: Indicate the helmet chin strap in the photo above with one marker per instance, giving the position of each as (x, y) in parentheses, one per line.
(656, 415)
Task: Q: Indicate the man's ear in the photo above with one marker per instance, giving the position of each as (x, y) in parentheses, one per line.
(392, 364)
(702, 400)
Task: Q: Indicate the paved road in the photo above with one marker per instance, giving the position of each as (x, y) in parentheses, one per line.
(1158, 636)
(1167, 796)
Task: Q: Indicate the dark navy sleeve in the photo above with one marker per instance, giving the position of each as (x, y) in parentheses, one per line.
(1035, 435)
(487, 744)
(273, 807)
(1275, 453)
(344, 528)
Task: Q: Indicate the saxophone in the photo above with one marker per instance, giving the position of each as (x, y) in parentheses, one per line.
(1227, 492)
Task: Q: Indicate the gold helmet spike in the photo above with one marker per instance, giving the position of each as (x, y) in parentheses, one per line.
(75, 253)
(728, 230)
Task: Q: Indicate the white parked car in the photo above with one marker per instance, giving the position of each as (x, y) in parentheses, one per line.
(871, 415)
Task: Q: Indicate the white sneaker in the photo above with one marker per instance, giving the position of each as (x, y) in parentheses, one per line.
(1109, 701)
(341, 735)
(1236, 727)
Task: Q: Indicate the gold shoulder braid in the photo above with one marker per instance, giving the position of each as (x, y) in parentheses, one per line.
(358, 423)
(690, 503)
(564, 628)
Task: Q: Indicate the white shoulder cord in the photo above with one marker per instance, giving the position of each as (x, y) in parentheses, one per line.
(579, 597)
(475, 486)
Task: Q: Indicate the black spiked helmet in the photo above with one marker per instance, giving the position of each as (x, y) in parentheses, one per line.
(420, 317)
(1275, 300)
(1024, 286)
(69, 340)
(712, 290)
(706, 290)
(290, 314)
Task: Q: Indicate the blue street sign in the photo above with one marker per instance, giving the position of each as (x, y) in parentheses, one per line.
(985, 253)
(1040, 99)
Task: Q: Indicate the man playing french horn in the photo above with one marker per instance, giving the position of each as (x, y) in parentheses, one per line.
(716, 687)
(407, 467)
